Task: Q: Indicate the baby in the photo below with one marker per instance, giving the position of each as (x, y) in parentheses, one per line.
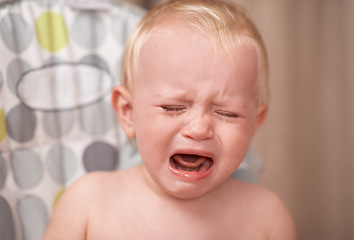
(194, 92)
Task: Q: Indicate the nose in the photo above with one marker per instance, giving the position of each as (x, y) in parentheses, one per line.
(198, 128)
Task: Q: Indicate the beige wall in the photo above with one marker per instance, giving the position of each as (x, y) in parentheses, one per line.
(308, 140)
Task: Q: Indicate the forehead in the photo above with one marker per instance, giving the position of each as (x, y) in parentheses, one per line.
(165, 31)
(166, 37)
(172, 52)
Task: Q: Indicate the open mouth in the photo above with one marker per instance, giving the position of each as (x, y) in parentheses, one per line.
(191, 163)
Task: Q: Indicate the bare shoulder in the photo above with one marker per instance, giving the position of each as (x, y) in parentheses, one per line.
(267, 206)
(89, 186)
(71, 213)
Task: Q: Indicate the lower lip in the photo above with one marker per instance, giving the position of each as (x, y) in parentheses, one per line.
(189, 176)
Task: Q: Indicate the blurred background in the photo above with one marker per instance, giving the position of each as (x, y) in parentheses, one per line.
(307, 142)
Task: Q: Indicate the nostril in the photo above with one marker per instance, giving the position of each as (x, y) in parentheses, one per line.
(198, 130)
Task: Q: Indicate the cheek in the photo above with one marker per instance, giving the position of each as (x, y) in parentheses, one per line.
(237, 140)
(237, 146)
(152, 134)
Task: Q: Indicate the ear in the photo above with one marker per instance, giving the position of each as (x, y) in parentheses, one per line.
(122, 104)
(262, 111)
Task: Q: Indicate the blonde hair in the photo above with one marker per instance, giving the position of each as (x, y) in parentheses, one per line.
(222, 22)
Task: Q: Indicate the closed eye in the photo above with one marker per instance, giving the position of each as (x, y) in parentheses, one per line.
(227, 114)
(173, 108)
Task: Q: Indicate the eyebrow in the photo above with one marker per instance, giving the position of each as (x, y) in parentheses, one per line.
(175, 94)
(221, 103)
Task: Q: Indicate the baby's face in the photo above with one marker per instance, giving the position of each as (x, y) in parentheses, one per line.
(195, 111)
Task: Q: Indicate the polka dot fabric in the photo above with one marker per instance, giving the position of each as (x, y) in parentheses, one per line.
(57, 67)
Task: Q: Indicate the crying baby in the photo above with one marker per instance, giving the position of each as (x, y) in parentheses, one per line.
(194, 92)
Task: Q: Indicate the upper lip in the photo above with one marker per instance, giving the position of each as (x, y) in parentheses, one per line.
(194, 151)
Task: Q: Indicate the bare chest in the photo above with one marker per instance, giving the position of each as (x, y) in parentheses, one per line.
(141, 222)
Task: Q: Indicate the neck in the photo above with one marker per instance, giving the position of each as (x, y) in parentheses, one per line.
(203, 203)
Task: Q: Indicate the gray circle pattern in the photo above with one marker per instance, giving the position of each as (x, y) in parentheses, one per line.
(14, 71)
(7, 226)
(120, 29)
(88, 30)
(21, 123)
(61, 164)
(33, 216)
(28, 213)
(100, 156)
(97, 119)
(96, 61)
(27, 168)
(12, 26)
(3, 173)
(58, 124)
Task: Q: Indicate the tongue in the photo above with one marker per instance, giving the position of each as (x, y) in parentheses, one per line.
(191, 162)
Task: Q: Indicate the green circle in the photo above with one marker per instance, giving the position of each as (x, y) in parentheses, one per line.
(3, 130)
(51, 31)
(57, 197)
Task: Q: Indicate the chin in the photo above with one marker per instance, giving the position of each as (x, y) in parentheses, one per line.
(187, 190)
(186, 195)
